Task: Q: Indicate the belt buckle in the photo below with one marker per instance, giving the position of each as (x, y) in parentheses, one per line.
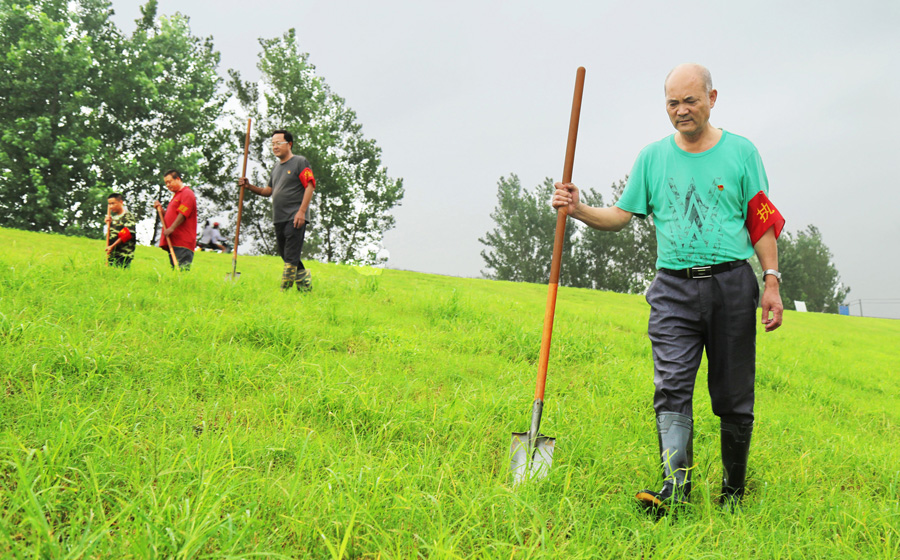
(700, 272)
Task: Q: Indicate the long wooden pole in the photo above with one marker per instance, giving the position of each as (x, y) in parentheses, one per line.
(559, 240)
(108, 227)
(168, 241)
(237, 228)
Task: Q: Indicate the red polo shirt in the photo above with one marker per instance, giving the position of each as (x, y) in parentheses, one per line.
(185, 203)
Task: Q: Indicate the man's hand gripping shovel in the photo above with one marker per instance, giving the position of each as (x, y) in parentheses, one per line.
(237, 229)
(162, 220)
(531, 452)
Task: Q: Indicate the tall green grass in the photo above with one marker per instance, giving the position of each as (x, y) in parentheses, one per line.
(154, 414)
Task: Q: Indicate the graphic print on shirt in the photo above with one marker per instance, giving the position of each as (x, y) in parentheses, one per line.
(695, 221)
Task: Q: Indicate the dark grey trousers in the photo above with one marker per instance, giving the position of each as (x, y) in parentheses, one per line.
(185, 257)
(716, 313)
(289, 242)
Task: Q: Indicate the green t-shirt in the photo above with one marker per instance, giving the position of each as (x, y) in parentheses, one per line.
(698, 201)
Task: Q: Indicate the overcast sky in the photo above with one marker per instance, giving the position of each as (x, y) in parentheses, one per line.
(458, 94)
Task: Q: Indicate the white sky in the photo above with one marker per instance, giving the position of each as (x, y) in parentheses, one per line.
(458, 94)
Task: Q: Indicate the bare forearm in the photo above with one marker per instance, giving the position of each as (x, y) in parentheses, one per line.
(307, 199)
(178, 221)
(167, 231)
(772, 309)
(611, 218)
(767, 250)
(767, 253)
(261, 191)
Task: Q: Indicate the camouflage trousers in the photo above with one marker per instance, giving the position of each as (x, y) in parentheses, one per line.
(120, 260)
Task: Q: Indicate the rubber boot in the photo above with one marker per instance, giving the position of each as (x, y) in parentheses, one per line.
(287, 276)
(735, 450)
(676, 449)
(303, 278)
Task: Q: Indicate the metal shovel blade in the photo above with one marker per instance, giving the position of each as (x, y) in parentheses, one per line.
(527, 462)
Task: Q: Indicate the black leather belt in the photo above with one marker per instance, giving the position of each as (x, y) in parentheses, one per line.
(703, 271)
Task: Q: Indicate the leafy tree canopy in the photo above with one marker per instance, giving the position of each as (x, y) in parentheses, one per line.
(88, 110)
(809, 272)
(520, 246)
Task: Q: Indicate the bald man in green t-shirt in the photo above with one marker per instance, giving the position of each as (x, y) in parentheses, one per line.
(700, 185)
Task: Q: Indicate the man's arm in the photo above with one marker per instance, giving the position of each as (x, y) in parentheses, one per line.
(300, 217)
(111, 246)
(767, 252)
(178, 221)
(126, 230)
(611, 218)
(261, 191)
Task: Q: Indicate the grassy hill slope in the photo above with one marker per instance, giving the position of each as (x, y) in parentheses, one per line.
(149, 413)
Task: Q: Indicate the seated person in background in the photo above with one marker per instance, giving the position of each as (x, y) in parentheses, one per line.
(212, 238)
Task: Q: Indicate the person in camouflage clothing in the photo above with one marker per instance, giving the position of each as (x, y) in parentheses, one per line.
(121, 224)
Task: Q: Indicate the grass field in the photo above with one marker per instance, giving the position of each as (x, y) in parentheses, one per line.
(152, 414)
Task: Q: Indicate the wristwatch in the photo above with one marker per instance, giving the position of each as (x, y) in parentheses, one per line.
(773, 272)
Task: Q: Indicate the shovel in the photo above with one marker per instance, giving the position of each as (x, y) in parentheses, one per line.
(531, 452)
(237, 229)
(177, 266)
(108, 227)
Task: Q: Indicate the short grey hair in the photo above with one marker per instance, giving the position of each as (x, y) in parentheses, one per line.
(702, 70)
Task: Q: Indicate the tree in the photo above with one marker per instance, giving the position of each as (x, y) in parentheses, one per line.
(88, 110)
(624, 261)
(47, 140)
(354, 195)
(176, 96)
(809, 272)
(520, 247)
(521, 244)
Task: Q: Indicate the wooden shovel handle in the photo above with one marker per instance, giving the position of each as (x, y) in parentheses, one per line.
(559, 239)
(237, 228)
(162, 220)
(108, 227)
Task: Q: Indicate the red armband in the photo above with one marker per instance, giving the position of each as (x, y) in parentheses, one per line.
(762, 215)
(306, 177)
(125, 235)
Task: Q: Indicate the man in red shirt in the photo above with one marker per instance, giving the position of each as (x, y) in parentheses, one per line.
(180, 221)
